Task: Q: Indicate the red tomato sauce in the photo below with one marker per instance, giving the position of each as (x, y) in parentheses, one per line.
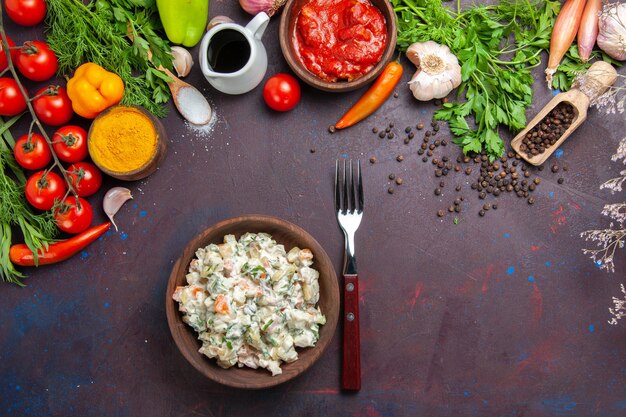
(340, 39)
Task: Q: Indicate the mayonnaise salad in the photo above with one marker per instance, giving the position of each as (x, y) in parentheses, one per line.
(251, 302)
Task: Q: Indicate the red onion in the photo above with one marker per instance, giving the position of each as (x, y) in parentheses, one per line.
(256, 6)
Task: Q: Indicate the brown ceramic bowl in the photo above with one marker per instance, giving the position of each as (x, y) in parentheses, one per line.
(284, 233)
(152, 161)
(286, 34)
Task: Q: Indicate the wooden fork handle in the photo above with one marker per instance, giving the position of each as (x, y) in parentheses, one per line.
(351, 372)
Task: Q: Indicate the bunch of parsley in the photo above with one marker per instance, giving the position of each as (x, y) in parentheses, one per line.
(497, 46)
(99, 32)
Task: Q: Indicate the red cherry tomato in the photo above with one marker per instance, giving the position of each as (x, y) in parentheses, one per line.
(74, 215)
(36, 61)
(70, 143)
(26, 12)
(32, 153)
(52, 106)
(11, 99)
(43, 189)
(4, 63)
(281, 92)
(85, 177)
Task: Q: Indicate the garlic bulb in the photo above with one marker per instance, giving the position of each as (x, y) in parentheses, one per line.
(182, 61)
(217, 20)
(256, 6)
(438, 70)
(612, 31)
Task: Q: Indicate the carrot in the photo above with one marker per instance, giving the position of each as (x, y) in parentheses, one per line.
(221, 305)
(374, 97)
(588, 30)
(563, 34)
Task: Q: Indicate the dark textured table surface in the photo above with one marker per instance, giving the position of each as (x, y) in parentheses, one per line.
(500, 315)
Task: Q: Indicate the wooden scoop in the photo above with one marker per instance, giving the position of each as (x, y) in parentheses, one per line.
(188, 100)
(598, 78)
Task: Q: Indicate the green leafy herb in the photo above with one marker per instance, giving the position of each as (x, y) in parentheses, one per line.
(268, 324)
(98, 32)
(497, 46)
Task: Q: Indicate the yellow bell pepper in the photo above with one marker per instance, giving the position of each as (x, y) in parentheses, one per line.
(93, 89)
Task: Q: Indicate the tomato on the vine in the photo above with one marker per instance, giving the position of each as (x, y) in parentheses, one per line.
(26, 12)
(281, 92)
(36, 61)
(12, 101)
(43, 188)
(74, 215)
(85, 177)
(70, 143)
(4, 63)
(32, 152)
(53, 106)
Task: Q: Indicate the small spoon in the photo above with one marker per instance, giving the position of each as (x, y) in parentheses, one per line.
(190, 102)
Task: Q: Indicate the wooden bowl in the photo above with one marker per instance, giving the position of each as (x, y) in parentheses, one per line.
(286, 34)
(154, 160)
(289, 235)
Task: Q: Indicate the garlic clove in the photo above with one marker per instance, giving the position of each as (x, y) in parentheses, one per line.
(217, 20)
(113, 200)
(183, 62)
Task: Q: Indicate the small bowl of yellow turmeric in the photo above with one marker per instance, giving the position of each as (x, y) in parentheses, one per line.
(127, 142)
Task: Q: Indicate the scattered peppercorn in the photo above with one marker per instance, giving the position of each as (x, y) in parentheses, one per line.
(332, 129)
(390, 190)
(440, 213)
(372, 160)
(560, 180)
(400, 158)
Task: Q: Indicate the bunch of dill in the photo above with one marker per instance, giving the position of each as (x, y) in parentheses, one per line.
(99, 32)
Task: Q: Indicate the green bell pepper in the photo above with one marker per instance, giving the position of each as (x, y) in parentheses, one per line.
(184, 21)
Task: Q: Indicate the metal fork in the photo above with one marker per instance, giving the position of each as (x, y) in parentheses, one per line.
(349, 207)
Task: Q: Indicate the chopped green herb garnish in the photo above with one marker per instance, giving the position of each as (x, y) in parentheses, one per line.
(268, 324)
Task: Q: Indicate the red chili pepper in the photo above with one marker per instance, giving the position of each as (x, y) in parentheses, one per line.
(374, 97)
(21, 255)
